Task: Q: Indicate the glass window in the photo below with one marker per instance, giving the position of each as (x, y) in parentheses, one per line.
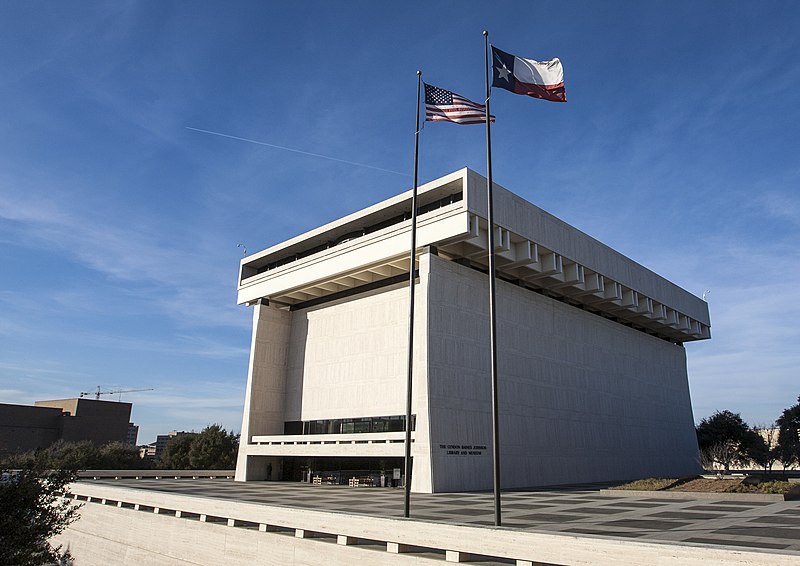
(334, 426)
(293, 427)
(348, 426)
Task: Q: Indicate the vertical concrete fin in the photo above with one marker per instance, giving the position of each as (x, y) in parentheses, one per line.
(266, 388)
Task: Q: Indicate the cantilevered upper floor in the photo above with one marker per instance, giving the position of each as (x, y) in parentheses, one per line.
(534, 249)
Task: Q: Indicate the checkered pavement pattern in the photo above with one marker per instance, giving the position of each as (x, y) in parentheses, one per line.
(576, 510)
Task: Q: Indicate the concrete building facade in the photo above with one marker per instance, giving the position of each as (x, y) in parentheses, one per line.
(133, 434)
(25, 427)
(592, 370)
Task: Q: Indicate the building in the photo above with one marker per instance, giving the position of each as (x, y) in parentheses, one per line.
(25, 427)
(133, 434)
(162, 440)
(147, 451)
(155, 450)
(592, 372)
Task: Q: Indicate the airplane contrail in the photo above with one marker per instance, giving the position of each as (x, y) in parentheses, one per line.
(297, 151)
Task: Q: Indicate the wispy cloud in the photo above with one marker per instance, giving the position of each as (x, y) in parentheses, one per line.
(132, 251)
(750, 363)
(300, 151)
(191, 408)
(28, 370)
(782, 205)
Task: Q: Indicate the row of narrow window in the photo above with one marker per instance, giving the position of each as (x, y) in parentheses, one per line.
(349, 426)
(450, 199)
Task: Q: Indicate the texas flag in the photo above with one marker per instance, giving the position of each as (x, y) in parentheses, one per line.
(540, 79)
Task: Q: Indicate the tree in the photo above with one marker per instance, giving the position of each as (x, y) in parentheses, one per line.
(34, 506)
(723, 453)
(213, 448)
(80, 455)
(789, 435)
(119, 456)
(762, 447)
(176, 453)
(724, 438)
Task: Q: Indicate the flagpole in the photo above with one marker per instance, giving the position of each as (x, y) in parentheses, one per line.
(411, 281)
(492, 296)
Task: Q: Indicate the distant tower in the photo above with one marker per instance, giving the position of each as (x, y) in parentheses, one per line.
(133, 434)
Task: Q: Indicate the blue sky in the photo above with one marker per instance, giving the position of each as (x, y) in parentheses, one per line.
(119, 225)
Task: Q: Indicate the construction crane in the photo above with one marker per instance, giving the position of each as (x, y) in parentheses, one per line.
(115, 392)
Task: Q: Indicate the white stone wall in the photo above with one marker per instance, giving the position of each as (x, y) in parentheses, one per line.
(582, 398)
(514, 213)
(266, 387)
(342, 359)
(105, 536)
(349, 359)
(285, 536)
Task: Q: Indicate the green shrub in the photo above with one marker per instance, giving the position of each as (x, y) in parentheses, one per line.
(779, 487)
(648, 484)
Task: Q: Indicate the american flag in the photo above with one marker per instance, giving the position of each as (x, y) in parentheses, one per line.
(444, 106)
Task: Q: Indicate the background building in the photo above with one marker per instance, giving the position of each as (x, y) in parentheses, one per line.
(25, 427)
(155, 450)
(161, 442)
(592, 371)
(133, 434)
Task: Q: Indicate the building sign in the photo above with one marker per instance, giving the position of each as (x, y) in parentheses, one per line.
(463, 449)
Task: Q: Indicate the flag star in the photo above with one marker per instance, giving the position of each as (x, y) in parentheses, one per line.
(503, 73)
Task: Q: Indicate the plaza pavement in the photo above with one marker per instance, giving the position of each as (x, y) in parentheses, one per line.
(582, 510)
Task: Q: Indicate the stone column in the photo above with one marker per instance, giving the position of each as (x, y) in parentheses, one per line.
(421, 479)
(266, 388)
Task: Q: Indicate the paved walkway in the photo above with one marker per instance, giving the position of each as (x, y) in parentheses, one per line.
(577, 510)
